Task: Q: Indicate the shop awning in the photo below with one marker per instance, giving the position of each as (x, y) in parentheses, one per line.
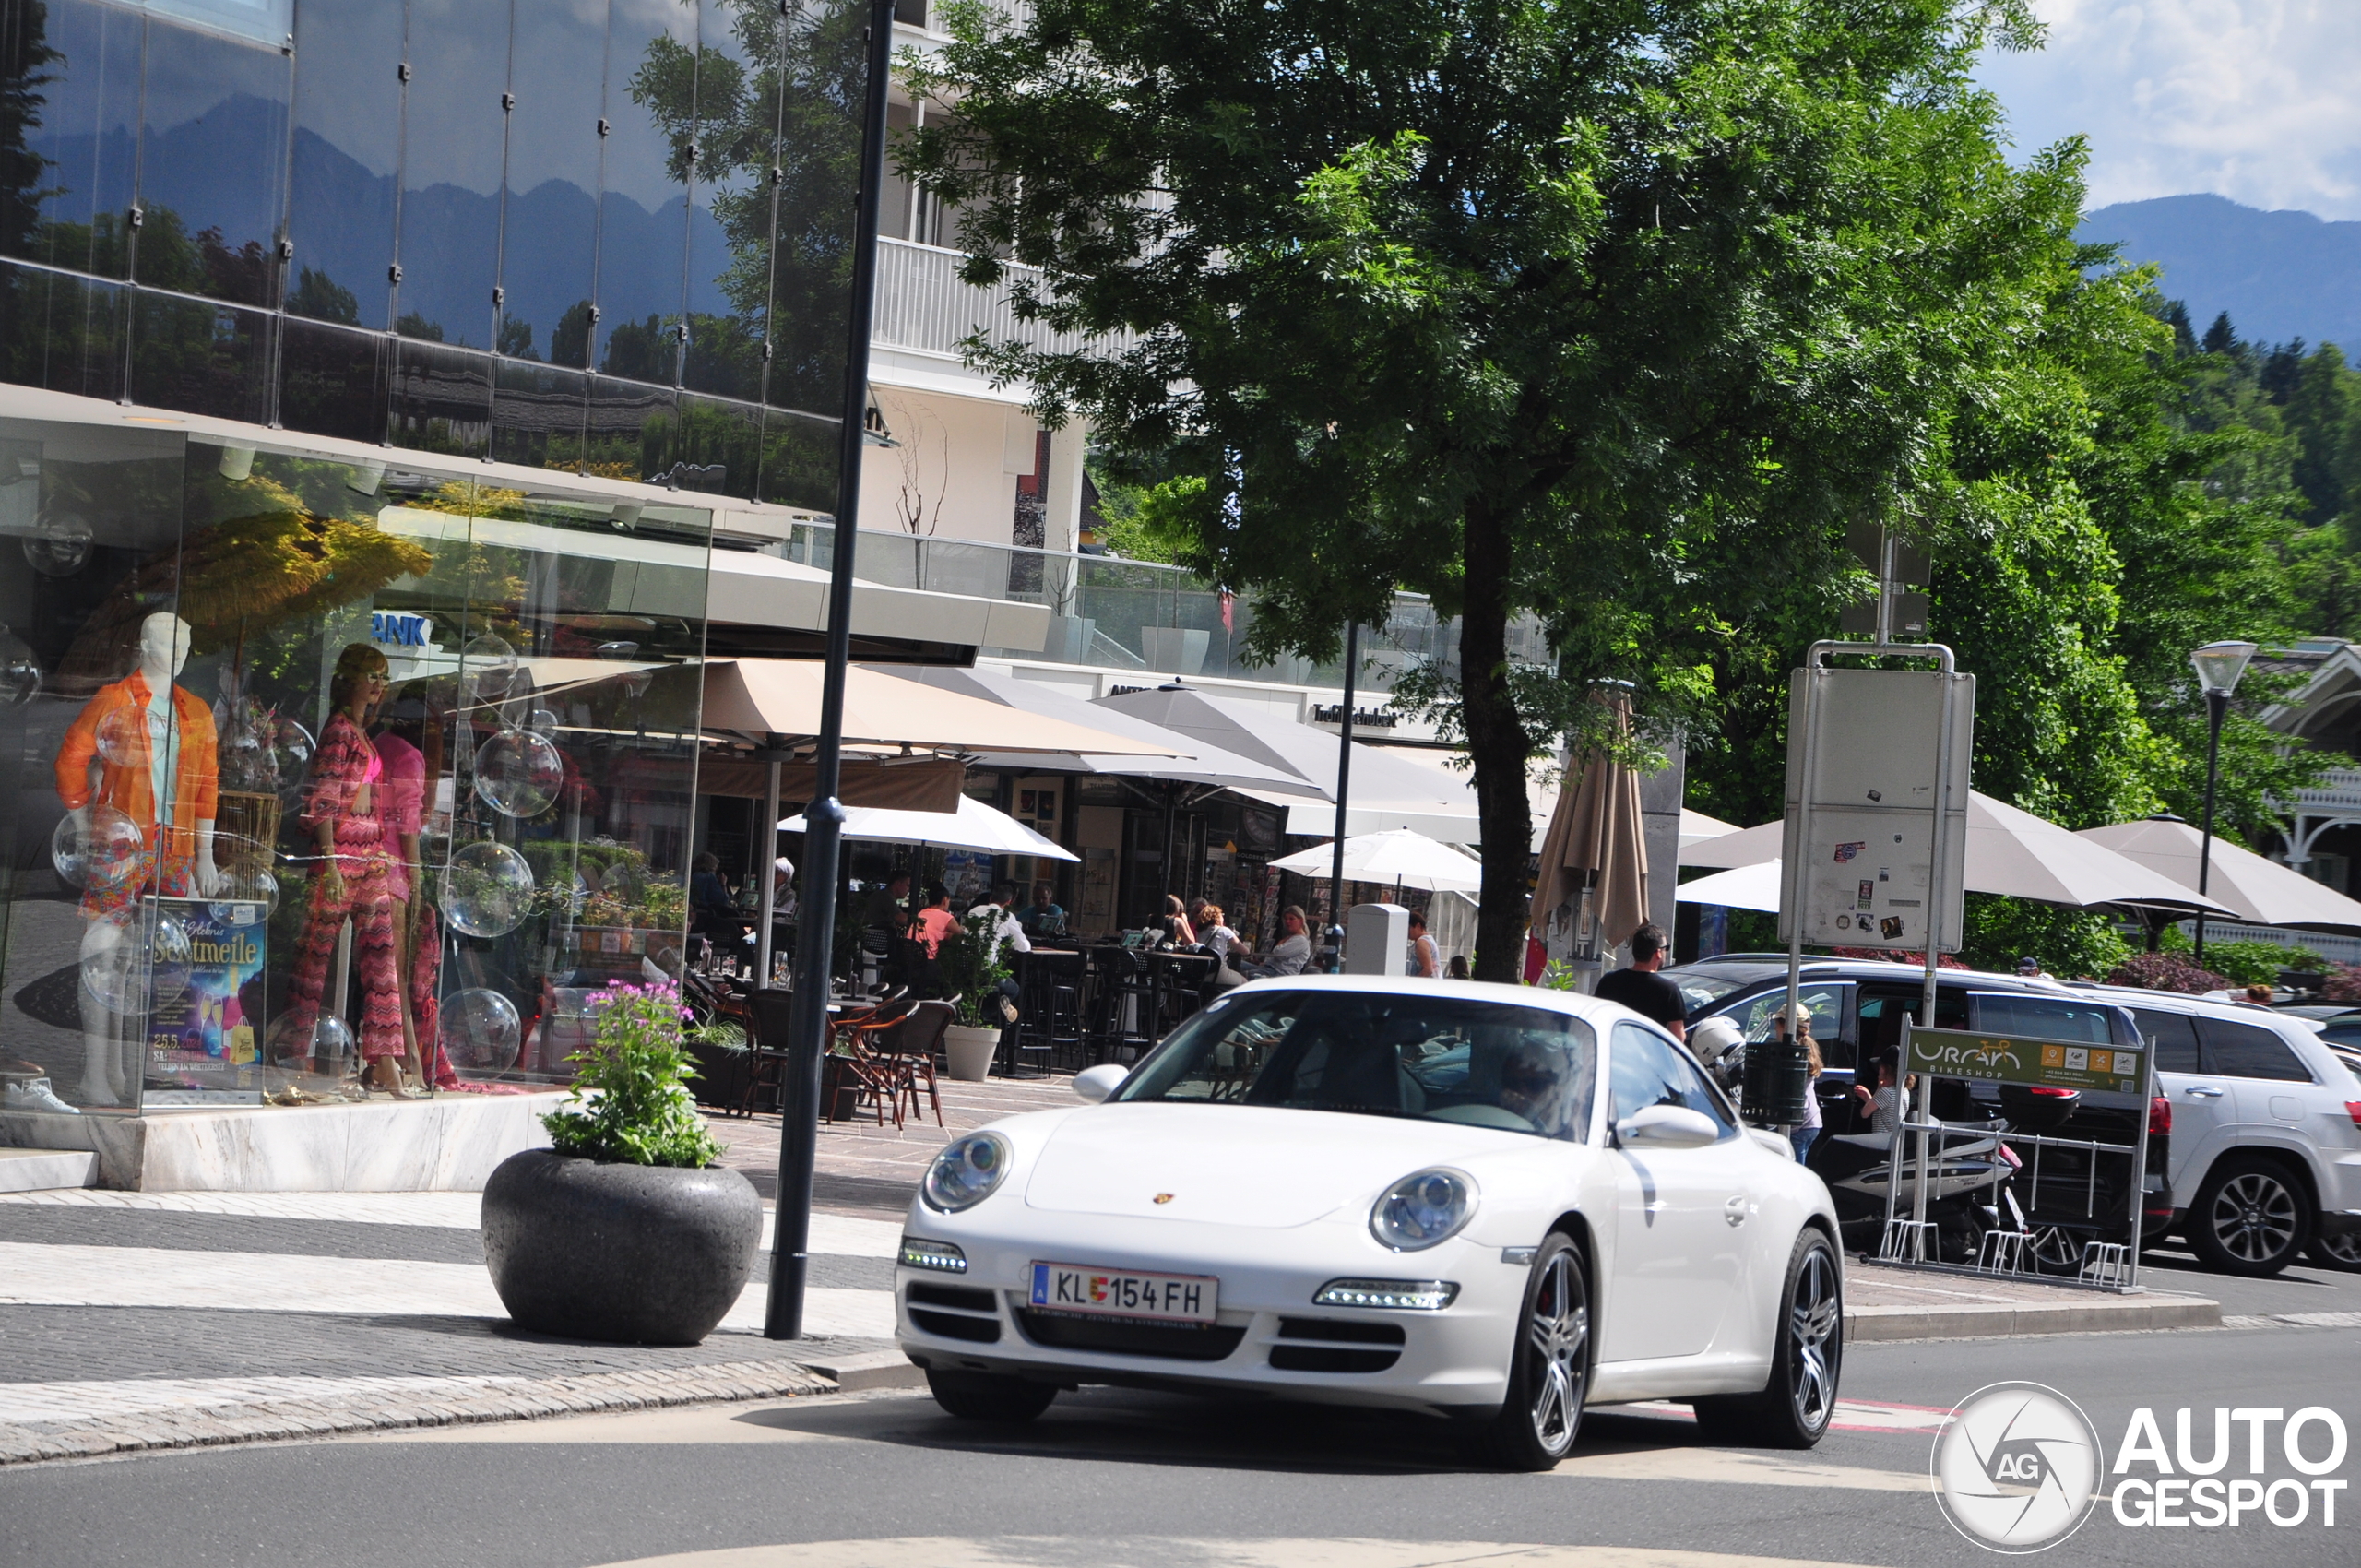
(761, 698)
(974, 825)
(1201, 763)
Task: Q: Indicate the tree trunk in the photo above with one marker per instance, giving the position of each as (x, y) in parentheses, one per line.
(1498, 746)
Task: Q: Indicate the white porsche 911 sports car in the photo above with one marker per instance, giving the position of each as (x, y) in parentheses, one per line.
(1495, 1203)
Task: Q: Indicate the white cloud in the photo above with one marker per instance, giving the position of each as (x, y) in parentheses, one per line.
(2258, 101)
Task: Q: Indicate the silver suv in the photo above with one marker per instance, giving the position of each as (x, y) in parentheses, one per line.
(2266, 1140)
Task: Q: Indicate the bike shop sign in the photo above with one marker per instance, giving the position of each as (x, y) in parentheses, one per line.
(2008, 1059)
(2018, 1467)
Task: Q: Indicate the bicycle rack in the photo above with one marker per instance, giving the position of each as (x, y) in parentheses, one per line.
(1908, 1240)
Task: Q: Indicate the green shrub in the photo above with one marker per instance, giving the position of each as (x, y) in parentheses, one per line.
(631, 1101)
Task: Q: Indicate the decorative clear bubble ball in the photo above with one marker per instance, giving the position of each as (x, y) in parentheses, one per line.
(543, 722)
(60, 546)
(490, 667)
(290, 755)
(20, 672)
(244, 757)
(126, 736)
(141, 963)
(518, 772)
(328, 1044)
(245, 885)
(481, 1030)
(96, 847)
(488, 890)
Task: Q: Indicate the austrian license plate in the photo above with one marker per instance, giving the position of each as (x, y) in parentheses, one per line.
(1106, 1292)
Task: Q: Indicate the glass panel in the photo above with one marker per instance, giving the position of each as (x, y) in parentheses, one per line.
(2173, 1035)
(1645, 1069)
(549, 232)
(537, 412)
(441, 398)
(799, 460)
(201, 359)
(451, 169)
(346, 148)
(714, 449)
(643, 202)
(2250, 1051)
(212, 165)
(629, 429)
(823, 69)
(729, 210)
(61, 332)
(1825, 1003)
(2044, 1017)
(332, 380)
(89, 580)
(69, 190)
(262, 22)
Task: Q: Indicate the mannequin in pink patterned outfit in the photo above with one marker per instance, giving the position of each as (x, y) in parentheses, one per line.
(342, 814)
(418, 931)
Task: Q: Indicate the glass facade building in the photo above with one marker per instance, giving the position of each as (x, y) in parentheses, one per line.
(340, 749)
(608, 237)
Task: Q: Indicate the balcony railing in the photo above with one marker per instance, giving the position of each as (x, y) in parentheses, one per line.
(2338, 791)
(1142, 617)
(923, 304)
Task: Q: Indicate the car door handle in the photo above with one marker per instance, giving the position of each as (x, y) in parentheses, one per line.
(1734, 1211)
(2200, 1092)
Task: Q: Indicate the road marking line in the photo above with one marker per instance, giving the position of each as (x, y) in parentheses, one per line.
(1852, 1414)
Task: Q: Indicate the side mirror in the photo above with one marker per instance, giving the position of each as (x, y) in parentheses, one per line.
(1095, 1083)
(1658, 1126)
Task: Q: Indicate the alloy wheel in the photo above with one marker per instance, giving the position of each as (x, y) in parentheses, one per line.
(2254, 1218)
(1559, 1336)
(1813, 1319)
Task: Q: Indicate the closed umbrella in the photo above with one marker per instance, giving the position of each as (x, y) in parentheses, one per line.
(2010, 852)
(2256, 890)
(1595, 856)
(1401, 857)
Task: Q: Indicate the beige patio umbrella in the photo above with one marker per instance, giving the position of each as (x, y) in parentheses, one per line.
(2255, 890)
(2011, 852)
(1596, 848)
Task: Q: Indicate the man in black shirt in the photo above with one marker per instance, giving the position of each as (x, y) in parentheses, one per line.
(1642, 989)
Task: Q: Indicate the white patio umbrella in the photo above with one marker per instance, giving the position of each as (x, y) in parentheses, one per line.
(2256, 890)
(974, 825)
(1401, 857)
(2011, 852)
(1748, 888)
(1696, 828)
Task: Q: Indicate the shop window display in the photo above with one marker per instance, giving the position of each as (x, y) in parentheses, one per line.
(329, 781)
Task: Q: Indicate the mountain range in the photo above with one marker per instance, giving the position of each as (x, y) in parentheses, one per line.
(2280, 275)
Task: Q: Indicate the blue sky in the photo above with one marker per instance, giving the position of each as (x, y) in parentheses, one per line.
(2258, 101)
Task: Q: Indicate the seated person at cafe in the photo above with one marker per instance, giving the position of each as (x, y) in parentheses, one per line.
(888, 907)
(1043, 917)
(1290, 954)
(933, 922)
(713, 912)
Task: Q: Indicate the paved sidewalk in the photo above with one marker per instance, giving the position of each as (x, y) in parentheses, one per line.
(160, 1320)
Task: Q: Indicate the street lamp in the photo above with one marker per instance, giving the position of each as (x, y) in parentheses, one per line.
(2218, 667)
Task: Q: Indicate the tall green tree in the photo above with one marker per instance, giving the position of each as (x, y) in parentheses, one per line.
(1605, 311)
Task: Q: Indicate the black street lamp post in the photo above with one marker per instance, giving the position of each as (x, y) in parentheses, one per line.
(2219, 667)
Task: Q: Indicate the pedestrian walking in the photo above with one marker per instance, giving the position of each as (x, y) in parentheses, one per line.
(1642, 989)
(1426, 963)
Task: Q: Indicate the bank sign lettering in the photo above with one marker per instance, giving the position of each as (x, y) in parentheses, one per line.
(2004, 1058)
(389, 629)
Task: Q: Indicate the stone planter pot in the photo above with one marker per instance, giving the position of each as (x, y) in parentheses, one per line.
(634, 1255)
(971, 1051)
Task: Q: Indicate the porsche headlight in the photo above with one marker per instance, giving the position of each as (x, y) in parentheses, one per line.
(967, 1172)
(1421, 1210)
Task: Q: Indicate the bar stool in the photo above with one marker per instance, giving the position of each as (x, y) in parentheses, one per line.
(1051, 1023)
(1122, 1005)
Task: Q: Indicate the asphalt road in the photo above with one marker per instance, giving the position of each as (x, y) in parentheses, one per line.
(1112, 1479)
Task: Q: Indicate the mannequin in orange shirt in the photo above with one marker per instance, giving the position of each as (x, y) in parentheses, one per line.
(164, 779)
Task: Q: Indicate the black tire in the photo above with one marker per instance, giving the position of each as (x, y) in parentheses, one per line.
(2250, 1218)
(2336, 1252)
(988, 1396)
(1549, 1370)
(1799, 1400)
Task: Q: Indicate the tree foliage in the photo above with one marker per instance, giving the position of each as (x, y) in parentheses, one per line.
(1612, 313)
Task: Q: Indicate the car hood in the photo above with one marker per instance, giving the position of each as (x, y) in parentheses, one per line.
(1254, 1166)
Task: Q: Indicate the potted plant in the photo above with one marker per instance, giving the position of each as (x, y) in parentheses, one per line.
(973, 971)
(627, 1229)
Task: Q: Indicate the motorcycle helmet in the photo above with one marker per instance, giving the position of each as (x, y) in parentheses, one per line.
(1714, 1037)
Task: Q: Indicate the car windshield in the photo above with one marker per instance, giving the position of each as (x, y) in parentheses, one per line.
(1701, 988)
(1434, 1058)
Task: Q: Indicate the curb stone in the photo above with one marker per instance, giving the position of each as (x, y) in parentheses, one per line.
(516, 1399)
(1865, 1325)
